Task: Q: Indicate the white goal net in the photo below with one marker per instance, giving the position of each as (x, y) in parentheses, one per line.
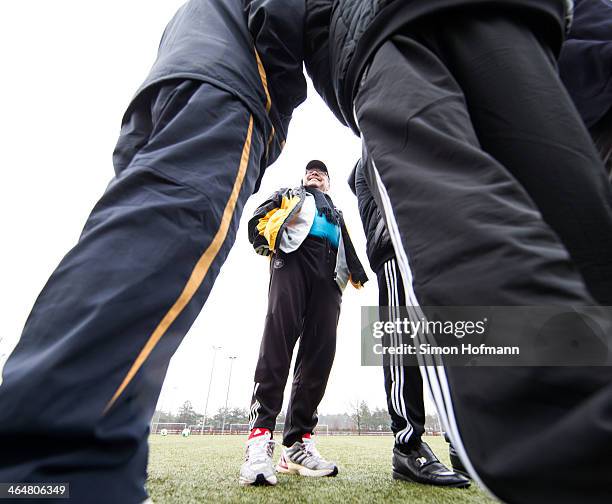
(170, 428)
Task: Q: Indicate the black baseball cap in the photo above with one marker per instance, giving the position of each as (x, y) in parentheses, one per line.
(319, 165)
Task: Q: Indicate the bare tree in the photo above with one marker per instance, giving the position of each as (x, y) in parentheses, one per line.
(359, 413)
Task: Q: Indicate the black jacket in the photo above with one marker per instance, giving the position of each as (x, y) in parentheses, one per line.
(250, 48)
(585, 63)
(378, 242)
(280, 218)
(335, 60)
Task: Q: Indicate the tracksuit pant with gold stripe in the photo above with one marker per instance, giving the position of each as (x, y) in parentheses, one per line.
(80, 388)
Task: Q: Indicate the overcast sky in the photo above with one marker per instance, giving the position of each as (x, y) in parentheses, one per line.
(69, 70)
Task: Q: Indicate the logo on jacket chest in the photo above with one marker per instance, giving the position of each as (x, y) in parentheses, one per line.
(278, 263)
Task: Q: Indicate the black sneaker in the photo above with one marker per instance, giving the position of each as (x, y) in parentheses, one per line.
(420, 465)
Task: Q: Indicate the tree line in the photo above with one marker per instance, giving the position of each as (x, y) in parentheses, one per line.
(359, 418)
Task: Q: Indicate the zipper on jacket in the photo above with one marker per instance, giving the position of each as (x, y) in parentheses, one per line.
(302, 195)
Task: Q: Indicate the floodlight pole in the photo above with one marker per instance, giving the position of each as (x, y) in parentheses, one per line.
(232, 358)
(212, 369)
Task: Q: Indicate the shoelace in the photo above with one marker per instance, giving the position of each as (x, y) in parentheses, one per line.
(260, 451)
(311, 449)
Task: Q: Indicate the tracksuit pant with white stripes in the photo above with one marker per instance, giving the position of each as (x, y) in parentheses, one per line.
(81, 386)
(494, 195)
(303, 303)
(403, 381)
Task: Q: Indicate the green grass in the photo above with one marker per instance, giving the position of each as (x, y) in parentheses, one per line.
(205, 469)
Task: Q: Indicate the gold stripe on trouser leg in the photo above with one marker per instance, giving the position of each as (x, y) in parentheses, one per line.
(264, 81)
(197, 275)
(270, 138)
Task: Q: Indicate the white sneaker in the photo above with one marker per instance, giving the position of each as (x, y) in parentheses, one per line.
(304, 459)
(258, 468)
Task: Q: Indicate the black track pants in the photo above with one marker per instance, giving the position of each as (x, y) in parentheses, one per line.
(602, 136)
(524, 118)
(80, 388)
(403, 382)
(467, 230)
(303, 302)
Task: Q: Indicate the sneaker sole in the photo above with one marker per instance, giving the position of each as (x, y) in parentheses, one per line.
(260, 480)
(284, 470)
(403, 477)
(293, 468)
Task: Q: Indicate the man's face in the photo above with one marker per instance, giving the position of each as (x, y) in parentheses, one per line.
(316, 178)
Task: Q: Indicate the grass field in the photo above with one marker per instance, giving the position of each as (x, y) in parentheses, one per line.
(205, 469)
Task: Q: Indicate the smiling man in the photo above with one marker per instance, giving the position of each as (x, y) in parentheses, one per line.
(312, 260)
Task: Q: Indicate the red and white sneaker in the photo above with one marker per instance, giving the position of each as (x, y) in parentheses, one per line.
(282, 466)
(258, 468)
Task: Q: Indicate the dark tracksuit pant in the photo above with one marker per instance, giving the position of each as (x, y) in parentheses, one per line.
(80, 388)
(602, 136)
(585, 68)
(303, 303)
(488, 179)
(403, 381)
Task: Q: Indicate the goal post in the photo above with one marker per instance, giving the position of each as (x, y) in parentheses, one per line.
(171, 428)
(199, 429)
(322, 430)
